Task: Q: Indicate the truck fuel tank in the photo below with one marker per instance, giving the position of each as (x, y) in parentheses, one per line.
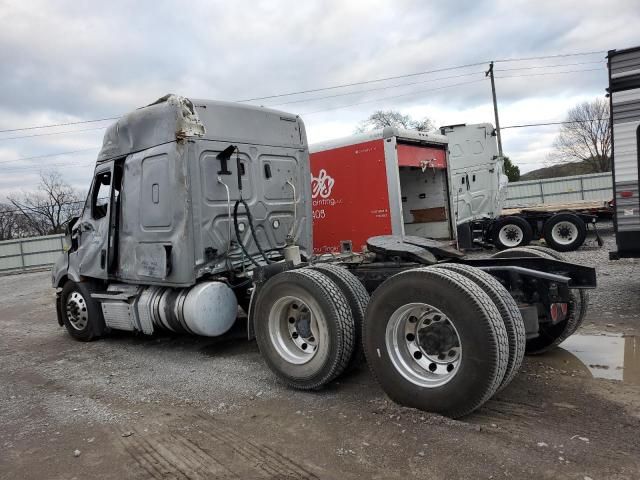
(208, 308)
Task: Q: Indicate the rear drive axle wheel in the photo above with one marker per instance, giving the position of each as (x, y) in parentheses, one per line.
(358, 299)
(304, 328)
(509, 312)
(435, 341)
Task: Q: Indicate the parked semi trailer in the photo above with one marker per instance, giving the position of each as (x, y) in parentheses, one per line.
(448, 185)
(199, 206)
(624, 102)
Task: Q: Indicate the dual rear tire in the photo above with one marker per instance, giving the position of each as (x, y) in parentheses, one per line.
(307, 324)
(435, 338)
(443, 339)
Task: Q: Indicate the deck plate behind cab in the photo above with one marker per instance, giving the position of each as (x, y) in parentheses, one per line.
(419, 249)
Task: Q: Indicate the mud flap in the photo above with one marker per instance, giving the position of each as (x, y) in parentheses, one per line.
(251, 328)
(530, 317)
(59, 307)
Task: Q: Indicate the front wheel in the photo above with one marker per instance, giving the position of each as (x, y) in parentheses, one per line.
(81, 314)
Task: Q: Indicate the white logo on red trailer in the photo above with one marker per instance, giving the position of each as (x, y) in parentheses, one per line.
(322, 185)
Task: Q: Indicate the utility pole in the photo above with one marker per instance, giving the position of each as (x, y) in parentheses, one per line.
(489, 73)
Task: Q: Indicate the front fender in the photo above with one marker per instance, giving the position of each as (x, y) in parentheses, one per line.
(60, 272)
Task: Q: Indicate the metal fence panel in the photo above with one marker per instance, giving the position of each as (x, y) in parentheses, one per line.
(593, 186)
(25, 253)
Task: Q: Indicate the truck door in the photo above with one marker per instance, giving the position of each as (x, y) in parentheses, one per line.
(92, 255)
(477, 178)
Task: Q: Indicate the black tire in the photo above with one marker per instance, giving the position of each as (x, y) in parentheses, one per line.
(81, 314)
(509, 312)
(483, 341)
(322, 298)
(514, 226)
(358, 299)
(566, 239)
(550, 336)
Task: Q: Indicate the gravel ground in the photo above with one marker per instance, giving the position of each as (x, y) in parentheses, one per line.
(132, 406)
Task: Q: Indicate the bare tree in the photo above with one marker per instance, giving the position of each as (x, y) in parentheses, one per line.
(586, 137)
(393, 118)
(8, 227)
(49, 209)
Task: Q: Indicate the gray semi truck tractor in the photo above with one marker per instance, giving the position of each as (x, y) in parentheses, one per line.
(199, 207)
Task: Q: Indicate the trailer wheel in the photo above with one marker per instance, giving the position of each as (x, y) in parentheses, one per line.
(435, 341)
(550, 336)
(508, 309)
(81, 314)
(304, 328)
(511, 232)
(564, 232)
(358, 299)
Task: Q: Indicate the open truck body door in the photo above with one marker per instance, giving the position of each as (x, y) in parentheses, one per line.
(93, 228)
(478, 183)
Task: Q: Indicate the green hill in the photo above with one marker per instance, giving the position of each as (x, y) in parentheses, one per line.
(554, 171)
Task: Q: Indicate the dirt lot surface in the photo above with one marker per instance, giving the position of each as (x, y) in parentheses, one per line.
(180, 407)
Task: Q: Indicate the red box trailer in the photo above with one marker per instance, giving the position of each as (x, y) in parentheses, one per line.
(389, 181)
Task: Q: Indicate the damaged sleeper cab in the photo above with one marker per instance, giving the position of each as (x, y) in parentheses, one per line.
(197, 207)
(153, 247)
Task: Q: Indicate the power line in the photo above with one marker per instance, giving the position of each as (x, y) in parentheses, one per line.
(374, 89)
(420, 73)
(44, 167)
(52, 133)
(333, 87)
(305, 100)
(544, 57)
(394, 96)
(438, 88)
(399, 85)
(58, 124)
(49, 155)
(506, 60)
(548, 66)
(12, 170)
(551, 73)
(525, 125)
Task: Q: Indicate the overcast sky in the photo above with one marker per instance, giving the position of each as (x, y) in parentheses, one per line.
(66, 61)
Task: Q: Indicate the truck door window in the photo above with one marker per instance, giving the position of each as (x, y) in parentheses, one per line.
(100, 195)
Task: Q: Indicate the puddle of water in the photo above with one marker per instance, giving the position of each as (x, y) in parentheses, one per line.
(610, 356)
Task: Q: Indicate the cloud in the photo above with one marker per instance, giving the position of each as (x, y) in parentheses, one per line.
(73, 60)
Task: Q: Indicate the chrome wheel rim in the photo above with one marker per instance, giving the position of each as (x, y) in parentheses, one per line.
(296, 329)
(424, 345)
(511, 235)
(564, 233)
(77, 312)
